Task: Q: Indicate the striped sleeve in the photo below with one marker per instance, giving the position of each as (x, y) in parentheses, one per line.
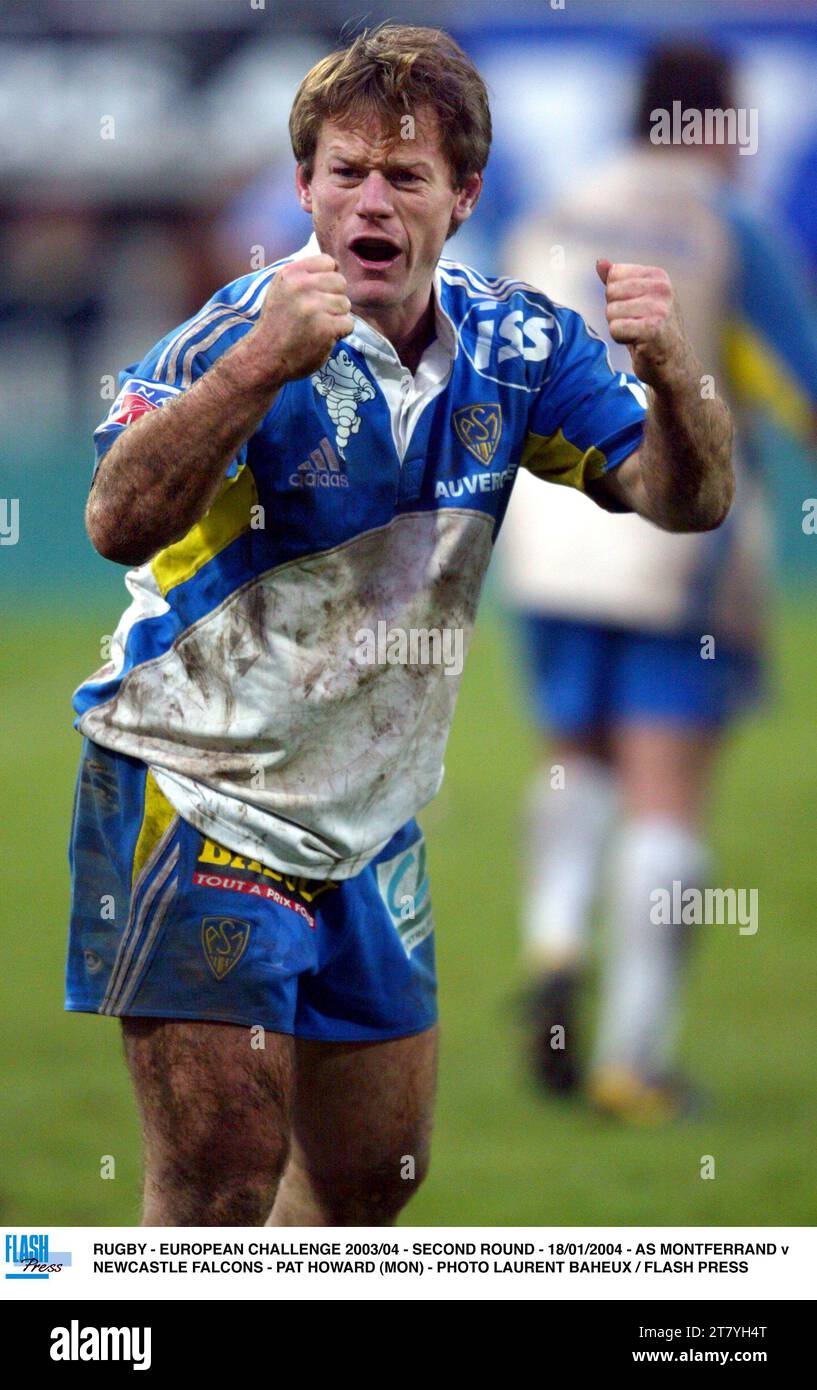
(587, 418)
(182, 357)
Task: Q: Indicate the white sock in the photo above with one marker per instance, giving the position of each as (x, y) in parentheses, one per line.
(567, 829)
(645, 966)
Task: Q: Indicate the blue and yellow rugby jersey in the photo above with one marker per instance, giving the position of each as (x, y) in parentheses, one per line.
(365, 497)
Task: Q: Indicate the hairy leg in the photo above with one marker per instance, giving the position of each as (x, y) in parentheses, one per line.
(361, 1131)
(215, 1119)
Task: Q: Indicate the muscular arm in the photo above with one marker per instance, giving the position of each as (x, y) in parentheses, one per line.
(165, 469)
(681, 478)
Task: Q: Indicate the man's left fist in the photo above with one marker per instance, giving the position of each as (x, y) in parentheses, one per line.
(643, 312)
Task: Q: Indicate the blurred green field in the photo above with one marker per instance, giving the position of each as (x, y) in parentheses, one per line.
(502, 1155)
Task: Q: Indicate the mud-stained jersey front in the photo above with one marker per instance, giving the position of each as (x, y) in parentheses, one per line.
(266, 669)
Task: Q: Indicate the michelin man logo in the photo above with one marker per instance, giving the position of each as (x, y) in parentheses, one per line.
(344, 386)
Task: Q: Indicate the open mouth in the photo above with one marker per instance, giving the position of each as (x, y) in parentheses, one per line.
(374, 251)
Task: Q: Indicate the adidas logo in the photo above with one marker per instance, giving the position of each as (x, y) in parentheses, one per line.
(321, 469)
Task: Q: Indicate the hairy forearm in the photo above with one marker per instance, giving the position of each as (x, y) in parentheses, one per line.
(166, 469)
(681, 477)
(686, 456)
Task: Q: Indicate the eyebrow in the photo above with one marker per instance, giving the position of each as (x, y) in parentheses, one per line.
(391, 162)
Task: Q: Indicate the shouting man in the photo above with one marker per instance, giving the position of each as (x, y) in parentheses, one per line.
(306, 480)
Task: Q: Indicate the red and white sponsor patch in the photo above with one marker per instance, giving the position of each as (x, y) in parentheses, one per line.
(131, 407)
(256, 890)
(136, 398)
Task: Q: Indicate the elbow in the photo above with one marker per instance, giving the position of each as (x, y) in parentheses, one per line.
(712, 505)
(719, 506)
(704, 514)
(702, 517)
(711, 520)
(109, 539)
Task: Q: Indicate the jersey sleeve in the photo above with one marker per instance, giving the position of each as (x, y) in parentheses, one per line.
(586, 418)
(138, 394)
(770, 342)
(170, 368)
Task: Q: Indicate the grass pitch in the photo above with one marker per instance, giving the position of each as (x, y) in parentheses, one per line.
(502, 1154)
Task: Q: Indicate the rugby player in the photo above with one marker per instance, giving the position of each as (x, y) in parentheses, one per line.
(328, 445)
(640, 663)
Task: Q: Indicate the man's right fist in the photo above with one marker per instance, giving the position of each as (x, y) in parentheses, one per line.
(306, 310)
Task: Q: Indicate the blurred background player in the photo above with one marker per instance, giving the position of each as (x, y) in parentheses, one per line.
(643, 648)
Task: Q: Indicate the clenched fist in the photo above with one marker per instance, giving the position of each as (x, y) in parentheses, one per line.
(643, 312)
(306, 311)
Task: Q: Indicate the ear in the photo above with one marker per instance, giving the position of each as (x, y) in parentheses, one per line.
(467, 198)
(303, 188)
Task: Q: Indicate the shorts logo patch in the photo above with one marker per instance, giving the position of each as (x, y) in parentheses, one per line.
(404, 887)
(224, 940)
(479, 427)
(254, 877)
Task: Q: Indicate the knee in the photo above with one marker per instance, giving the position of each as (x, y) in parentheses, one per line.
(369, 1193)
(211, 1178)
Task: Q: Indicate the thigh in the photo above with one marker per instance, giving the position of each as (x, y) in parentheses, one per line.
(355, 1103)
(669, 708)
(215, 1101)
(665, 769)
(362, 1124)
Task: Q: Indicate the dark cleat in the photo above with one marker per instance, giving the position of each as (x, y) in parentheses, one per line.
(551, 1010)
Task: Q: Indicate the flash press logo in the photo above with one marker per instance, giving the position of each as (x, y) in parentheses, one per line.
(75, 1343)
(29, 1257)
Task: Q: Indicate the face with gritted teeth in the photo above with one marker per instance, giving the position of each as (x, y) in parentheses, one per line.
(383, 206)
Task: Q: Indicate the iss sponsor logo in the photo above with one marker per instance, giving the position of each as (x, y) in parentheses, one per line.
(75, 1343)
(321, 469)
(505, 338)
(29, 1256)
(224, 940)
(479, 428)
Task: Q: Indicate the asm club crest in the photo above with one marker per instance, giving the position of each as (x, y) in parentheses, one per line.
(479, 427)
(224, 940)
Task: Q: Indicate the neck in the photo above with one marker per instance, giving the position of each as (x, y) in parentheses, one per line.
(409, 334)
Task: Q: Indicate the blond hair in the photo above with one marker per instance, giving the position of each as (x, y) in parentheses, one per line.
(390, 72)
